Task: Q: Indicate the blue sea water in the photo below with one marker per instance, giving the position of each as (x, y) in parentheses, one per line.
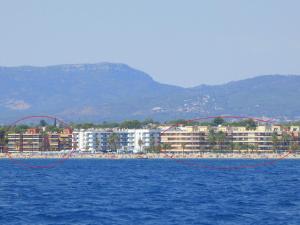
(149, 192)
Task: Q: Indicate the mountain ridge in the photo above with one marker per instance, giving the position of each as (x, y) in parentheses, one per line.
(109, 91)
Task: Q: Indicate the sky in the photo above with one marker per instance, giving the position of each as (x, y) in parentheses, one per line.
(181, 42)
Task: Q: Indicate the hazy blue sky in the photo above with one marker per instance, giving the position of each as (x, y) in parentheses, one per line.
(187, 42)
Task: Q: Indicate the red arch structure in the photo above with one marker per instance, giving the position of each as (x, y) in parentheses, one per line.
(212, 167)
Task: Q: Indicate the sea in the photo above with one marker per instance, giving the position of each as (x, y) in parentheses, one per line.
(146, 191)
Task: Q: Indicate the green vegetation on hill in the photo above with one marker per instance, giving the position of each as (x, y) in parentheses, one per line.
(114, 92)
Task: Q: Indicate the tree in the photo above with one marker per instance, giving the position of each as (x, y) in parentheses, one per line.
(131, 124)
(220, 139)
(151, 122)
(231, 146)
(2, 138)
(275, 141)
(43, 123)
(244, 146)
(252, 147)
(87, 125)
(250, 124)
(178, 121)
(152, 141)
(140, 143)
(218, 121)
(152, 146)
(237, 146)
(286, 140)
(165, 146)
(114, 141)
(53, 128)
(183, 147)
(97, 143)
(19, 128)
(212, 137)
(109, 125)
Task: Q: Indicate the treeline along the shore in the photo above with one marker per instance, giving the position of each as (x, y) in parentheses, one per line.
(137, 124)
(134, 124)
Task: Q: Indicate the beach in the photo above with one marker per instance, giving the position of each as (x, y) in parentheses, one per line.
(76, 155)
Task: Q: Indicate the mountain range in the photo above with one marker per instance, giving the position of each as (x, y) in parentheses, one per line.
(114, 92)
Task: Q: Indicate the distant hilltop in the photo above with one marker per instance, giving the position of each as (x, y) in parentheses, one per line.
(114, 92)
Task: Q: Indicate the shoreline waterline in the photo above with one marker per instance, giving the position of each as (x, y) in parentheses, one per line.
(285, 155)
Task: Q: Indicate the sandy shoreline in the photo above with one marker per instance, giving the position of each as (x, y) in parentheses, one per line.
(151, 156)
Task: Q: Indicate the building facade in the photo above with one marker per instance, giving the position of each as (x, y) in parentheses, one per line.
(36, 140)
(206, 138)
(115, 140)
(93, 140)
(142, 140)
(184, 138)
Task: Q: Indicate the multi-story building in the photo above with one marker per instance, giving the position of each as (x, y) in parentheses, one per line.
(89, 140)
(261, 138)
(60, 141)
(139, 140)
(201, 138)
(31, 140)
(124, 140)
(35, 140)
(195, 138)
(185, 138)
(294, 131)
(100, 140)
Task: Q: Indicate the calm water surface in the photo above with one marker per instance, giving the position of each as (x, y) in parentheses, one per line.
(149, 192)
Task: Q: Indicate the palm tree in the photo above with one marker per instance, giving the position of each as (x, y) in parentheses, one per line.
(152, 143)
(220, 138)
(252, 147)
(114, 141)
(286, 140)
(244, 146)
(239, 147)
(275, 141)
(183, 147)
(212, 138)
(3, 140)
(86, 146)
(165, 146)
(140, 143)
(97, 143)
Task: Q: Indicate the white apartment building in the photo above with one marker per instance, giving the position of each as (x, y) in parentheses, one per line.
(141, 139)
(130, 140)
(90, 140)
